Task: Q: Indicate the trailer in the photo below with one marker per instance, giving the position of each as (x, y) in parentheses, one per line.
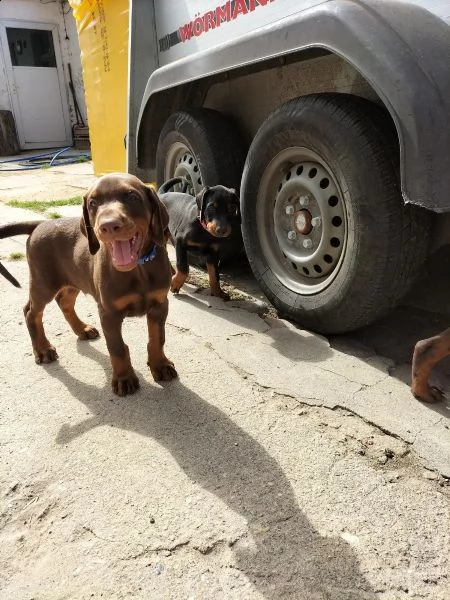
(332, 118)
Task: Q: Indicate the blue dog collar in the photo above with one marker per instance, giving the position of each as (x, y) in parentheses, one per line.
(148, 257)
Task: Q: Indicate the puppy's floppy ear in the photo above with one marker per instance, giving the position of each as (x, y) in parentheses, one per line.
(86, 228)
(238, 205)
(159, 220)
(200, 198)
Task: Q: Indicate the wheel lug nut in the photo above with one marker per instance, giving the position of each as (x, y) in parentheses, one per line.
(316, 222)
(304, 200)
(289, 209)
(292, 235)
(307, 243)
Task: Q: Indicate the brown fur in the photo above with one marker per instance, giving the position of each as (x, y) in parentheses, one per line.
(427, 354)
(66, 257)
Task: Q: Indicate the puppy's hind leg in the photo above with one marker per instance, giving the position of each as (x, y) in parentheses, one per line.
(66, 298)
(40, 296)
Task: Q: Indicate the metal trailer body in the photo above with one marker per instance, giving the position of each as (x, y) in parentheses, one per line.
(246, 58)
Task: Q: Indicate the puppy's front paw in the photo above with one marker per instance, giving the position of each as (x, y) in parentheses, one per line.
(177, 282)
(163, 371)
(125, 385)
(45, 355)
(88, 333)
(428, 393)
(219, 293)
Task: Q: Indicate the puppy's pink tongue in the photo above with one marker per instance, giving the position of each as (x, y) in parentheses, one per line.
(121, 253)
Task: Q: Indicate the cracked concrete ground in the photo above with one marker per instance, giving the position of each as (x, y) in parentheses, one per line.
(279, 465)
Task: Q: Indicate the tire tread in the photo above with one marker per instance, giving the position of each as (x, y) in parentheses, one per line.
(406, 228)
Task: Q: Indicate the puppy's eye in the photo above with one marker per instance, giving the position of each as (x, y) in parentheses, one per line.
(92, 203)
(233, 209)
(132, 196)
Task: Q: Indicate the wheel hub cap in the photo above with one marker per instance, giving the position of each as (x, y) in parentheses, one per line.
(180, 162)
(302, 221)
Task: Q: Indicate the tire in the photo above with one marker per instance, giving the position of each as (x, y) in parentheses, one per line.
(202, 145)
(325, 228)
(206, 148)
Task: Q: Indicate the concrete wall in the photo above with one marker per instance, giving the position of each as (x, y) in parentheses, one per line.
(50, 12)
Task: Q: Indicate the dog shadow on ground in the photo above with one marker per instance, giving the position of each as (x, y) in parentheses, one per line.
(282, 554)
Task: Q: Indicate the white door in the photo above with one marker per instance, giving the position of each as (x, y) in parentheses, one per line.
(35, 83)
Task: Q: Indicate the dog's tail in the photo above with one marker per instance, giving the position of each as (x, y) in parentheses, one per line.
(20, 228)
(168, 185)
(23, 228)
(7, 275)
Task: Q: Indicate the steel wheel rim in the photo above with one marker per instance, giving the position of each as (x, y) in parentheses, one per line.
(302, 220)
(181, 162)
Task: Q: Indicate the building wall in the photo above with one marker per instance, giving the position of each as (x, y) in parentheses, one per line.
(49, 12)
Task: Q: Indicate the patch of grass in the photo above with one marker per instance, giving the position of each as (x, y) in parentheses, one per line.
(200, 280)
(17, 256)
(43, 205)
(54, 215)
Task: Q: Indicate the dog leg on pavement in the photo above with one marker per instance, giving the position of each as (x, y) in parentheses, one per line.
(40, 296)
(124, 380)
(66, 301)
(427, 353)
(161, 367)
(182, 271)
(212, 264)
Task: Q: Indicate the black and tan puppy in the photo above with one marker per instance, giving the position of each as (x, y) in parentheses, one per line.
(208, 224)
(117, 254)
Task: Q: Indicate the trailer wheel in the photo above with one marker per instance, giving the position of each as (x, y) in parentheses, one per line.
(202, 145)
(326, 231)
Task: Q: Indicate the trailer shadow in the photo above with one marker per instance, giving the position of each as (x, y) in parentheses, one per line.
(424, 313)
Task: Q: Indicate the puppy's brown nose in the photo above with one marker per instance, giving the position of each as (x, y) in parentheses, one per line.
(222, 229)
(110, 226)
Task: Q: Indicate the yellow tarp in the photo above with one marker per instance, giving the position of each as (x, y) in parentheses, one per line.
(103, 34)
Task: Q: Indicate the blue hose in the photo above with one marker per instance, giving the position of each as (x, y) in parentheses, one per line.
(27, 164)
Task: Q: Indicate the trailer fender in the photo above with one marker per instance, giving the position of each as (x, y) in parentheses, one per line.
(399, 48)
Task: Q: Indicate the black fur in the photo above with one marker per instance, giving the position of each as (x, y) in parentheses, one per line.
(208, 224)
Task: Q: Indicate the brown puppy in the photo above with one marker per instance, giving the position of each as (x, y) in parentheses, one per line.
(427, 354)
(118, 255)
